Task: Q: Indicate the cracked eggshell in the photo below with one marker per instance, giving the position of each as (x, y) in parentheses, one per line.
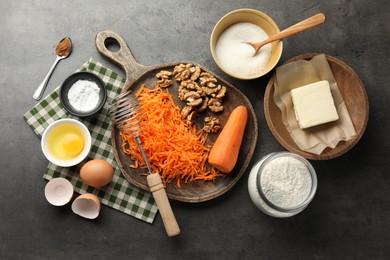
(87, 206)
(58, 191)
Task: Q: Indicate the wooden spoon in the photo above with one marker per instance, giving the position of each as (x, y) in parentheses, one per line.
(304, 25)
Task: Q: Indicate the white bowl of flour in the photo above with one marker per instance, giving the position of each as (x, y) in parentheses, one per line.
(83, 94)
(233, 55)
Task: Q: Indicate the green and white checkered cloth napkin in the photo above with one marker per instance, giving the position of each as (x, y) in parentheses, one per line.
(119, 194)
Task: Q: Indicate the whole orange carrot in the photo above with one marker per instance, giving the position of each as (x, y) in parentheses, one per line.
(224, 153)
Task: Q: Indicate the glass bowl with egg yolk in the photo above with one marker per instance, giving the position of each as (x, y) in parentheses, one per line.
(66, 142)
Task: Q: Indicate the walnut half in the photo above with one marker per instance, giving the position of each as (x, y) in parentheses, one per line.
(206, 79)
(215, 105)
(193, 98)
(164, 79)
(211, 125)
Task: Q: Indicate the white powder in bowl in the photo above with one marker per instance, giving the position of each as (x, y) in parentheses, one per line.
(83, 95)
(236, 57)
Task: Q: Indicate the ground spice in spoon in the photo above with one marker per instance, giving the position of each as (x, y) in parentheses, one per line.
(64, 47)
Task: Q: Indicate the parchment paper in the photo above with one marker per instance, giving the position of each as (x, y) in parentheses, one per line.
(300, 73)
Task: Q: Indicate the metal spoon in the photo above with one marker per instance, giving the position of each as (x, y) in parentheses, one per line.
(38, 93)
(304, 25)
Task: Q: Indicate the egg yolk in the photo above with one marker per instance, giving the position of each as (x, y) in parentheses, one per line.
(73, 144)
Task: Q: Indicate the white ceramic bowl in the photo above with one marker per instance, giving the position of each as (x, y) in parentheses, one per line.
(77, 159)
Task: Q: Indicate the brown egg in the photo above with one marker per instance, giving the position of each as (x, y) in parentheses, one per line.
(97, 173)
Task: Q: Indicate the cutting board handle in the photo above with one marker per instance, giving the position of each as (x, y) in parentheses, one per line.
(123, 57)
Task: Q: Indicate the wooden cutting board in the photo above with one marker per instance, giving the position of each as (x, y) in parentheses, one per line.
(138, 75)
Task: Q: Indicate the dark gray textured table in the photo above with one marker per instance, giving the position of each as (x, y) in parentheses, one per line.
(350, 214)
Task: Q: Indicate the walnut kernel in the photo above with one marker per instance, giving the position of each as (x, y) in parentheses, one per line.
(164, 78)
(211, 125)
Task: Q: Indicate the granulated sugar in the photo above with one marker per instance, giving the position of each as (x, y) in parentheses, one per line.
(236, 57)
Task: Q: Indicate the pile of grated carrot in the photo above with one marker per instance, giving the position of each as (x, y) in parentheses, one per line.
(176, 151)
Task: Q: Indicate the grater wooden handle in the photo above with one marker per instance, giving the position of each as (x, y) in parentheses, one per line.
(160, 196)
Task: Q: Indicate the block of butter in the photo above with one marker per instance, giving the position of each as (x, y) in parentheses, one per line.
(313, 104)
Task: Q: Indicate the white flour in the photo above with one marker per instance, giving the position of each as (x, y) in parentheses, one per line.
(235, 56)
(286, 182)
(84, 95)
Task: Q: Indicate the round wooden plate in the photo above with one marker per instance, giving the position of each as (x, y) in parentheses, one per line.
(354, 95)
(138, 75)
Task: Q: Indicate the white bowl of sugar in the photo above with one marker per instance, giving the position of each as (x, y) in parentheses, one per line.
(231, 52)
